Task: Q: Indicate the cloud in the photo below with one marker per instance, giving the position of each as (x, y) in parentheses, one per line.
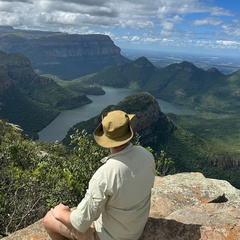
(217, 11)
(179, 22)
(207, 21)
(228, 44)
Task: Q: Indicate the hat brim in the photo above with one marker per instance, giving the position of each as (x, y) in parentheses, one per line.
(107, 142)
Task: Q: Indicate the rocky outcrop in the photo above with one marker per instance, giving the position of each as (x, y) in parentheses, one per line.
(65, 55)
(151, 123)
(180, 210)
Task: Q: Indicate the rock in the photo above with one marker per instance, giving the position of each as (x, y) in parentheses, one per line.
(151, 123)
(180, 211)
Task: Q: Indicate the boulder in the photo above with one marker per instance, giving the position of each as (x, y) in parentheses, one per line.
(185, 206)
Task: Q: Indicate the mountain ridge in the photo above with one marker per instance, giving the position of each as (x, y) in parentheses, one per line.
(181, 83)
(28, 99)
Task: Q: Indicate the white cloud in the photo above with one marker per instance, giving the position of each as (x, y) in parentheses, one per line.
(167, 26)
(138, 21)
(207, 21)
(217, 11)
(228, 44)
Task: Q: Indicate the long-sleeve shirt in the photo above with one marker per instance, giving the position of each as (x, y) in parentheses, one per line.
(118, 196)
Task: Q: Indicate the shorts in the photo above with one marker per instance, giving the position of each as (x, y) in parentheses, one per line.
(73, 234)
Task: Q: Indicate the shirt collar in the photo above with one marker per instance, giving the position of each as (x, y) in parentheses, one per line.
(126, 149)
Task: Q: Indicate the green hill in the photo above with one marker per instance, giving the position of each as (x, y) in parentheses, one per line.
(28, 99)
(181, 83)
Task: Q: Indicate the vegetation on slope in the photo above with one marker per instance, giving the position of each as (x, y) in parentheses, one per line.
(181, 83)
(30, 100)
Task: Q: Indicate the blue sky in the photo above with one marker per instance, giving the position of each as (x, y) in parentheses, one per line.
(198, 26)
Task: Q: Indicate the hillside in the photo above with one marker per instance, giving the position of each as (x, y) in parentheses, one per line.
(29, 100)
(181, 83)
(65, 55)
(188, 151)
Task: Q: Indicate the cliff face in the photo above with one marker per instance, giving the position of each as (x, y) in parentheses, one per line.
(151, 123)
(29, 100)
(64, 46)
(64, 55)
(180, 210)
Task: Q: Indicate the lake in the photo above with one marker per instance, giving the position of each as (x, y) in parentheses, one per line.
(59, 127)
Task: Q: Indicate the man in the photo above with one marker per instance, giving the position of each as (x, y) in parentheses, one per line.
(117, 203)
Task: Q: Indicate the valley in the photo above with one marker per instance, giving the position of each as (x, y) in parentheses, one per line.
(32, 96)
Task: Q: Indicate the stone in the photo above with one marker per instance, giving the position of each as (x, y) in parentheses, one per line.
(181, 209)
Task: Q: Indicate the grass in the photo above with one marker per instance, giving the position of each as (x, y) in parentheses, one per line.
(221, 129)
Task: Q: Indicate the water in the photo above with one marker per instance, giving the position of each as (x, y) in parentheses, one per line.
(58, 128)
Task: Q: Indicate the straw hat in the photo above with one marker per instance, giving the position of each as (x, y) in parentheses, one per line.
(115, 129)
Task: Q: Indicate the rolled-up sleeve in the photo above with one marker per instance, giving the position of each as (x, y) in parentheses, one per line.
(91, 206)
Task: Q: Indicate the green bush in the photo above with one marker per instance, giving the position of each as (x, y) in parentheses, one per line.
(36, 176)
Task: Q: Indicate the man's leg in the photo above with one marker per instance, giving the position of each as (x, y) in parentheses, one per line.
(52, 227)
(58, 231)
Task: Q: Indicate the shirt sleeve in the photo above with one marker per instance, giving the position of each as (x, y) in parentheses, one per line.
(91, 206)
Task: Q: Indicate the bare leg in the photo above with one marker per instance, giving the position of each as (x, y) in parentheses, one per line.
(57, 231)
(52, 227)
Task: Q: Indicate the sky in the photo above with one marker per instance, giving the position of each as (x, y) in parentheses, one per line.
(197, 26)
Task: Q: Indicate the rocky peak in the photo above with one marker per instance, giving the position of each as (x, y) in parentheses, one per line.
(186, 67)
(143, 62)
(180, 210)
(151, 123)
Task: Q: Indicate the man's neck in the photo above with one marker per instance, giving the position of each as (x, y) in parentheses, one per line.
(119, 148)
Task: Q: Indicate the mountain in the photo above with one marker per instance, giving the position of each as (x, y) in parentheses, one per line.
(65, 55)
(29, 100)
(135, 74)
(181, 83)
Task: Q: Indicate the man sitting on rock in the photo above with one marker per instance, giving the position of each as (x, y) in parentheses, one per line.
(117, 201)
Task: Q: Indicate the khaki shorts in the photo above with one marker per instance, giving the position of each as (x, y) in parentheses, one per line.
(90, 234)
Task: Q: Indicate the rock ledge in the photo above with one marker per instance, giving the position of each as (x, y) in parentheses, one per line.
(180, 211)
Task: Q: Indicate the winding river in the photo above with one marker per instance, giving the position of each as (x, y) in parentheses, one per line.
(58, 128)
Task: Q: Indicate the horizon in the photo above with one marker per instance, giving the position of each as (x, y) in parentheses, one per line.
(225, 64)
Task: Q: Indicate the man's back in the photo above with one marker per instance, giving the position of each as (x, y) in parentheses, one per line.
(126, 179)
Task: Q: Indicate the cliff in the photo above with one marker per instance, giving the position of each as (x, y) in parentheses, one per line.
(28, 99)
(184, 206)
(65, 55)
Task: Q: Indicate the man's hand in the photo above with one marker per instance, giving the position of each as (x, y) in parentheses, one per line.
(60, 211)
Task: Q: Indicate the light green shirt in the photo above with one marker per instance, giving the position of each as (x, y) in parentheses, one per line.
(118, 196)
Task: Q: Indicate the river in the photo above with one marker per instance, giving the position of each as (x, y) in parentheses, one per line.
(58, 128)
